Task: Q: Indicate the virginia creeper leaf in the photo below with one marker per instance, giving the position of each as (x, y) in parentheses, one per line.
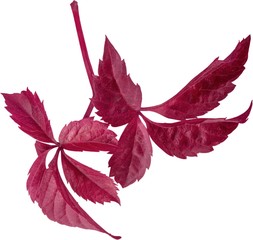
(42, 147)
(28, 111)
(87, 182)
(36, 173)
(204, 92)
(133, 155)
(46, 187)
(116, 97)
(87, 135)
(189, 137)
(118, 101)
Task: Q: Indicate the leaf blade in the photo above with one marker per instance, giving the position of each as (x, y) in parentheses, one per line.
(87, 135)
(133, 156)
(190, 137)
(87, 182)
(116, 97)
(41, 147)
(29, 113)
(36, 173)
(204, 92)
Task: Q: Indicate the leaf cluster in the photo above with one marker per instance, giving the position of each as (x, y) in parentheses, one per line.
(118, 101)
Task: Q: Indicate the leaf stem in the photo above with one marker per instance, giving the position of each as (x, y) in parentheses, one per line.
(86, 59)
(89, 109)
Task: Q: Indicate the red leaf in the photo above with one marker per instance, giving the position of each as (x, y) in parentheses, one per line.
(46, 187)
(28, 111)
(116, 97)
(133, 155)
(87, 135)
(42, 147)
(36, 173)
(204, 91)
(189, 137)
(87, 182)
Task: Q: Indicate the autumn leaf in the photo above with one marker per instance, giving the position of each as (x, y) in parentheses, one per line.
(190, 137)
(44, 184)
(133, 155)
(87, 135)
(28, 112)
(36, 173)
(116, 97)
(42, 147)
(204, 92)
(118, 102)
(87, 182)
(46, 187)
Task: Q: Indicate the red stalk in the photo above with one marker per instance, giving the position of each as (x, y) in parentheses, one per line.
(86, 59)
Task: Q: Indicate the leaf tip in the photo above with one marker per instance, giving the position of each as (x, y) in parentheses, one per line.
(108, 43)
(246, 43)
(247, 39)
(244, 116)
(115, 237)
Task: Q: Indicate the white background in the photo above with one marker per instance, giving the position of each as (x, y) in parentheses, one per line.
(165, 44)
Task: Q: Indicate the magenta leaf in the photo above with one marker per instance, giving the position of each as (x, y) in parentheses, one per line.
(87, 135)
(133, 155)
(28, 111)
(42, 147)
(36, 173)
(118, 101)
(87, 182)
(189, 137)
(46, 187)
(116, 97)
(204, 91)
